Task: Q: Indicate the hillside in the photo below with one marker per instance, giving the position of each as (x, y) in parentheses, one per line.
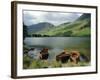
(79, 27)
(84, 16)
(40, 26)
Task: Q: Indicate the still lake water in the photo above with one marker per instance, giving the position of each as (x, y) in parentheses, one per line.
(57, 44)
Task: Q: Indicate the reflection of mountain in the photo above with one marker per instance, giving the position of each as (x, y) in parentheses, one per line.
(79, 27)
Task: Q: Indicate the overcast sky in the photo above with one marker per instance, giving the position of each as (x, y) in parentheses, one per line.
(56, 18)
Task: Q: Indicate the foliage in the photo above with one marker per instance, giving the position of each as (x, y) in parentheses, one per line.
(25, 33)
(26, 61)
(37, 64)
(39, 35)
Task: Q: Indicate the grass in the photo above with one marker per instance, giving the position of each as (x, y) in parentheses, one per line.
(83, 32)
(29, 63)
(77, 28)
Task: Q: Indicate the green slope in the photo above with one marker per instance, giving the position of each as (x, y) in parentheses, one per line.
(77, 28)
(80, 27)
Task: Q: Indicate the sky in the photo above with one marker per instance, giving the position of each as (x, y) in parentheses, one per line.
(56, 18)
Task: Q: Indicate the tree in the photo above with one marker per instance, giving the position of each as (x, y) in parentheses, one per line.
(68, 33)
(25, 32)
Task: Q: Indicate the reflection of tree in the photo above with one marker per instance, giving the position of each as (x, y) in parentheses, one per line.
(25, 32)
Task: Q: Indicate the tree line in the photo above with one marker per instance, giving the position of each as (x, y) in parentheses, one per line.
(25, 33)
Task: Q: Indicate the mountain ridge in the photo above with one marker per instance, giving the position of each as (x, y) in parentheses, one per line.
(39, 26)
(79, 27)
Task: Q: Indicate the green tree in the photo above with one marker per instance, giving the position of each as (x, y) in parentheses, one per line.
(68, 33)
(25, 32)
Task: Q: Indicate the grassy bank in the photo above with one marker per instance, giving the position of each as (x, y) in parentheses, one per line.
(29, 63)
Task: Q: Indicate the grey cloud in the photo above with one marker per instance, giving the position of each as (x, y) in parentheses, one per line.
(27, 18)
(58, 16)
(55, 18)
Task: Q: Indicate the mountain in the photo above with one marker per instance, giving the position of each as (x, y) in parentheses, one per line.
(39, 27)
(78, 28)
(84, 16)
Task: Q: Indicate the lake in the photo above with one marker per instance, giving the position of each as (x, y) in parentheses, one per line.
(58, 44)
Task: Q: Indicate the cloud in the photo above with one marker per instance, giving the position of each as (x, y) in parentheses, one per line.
(56, 18)
(28, 18)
